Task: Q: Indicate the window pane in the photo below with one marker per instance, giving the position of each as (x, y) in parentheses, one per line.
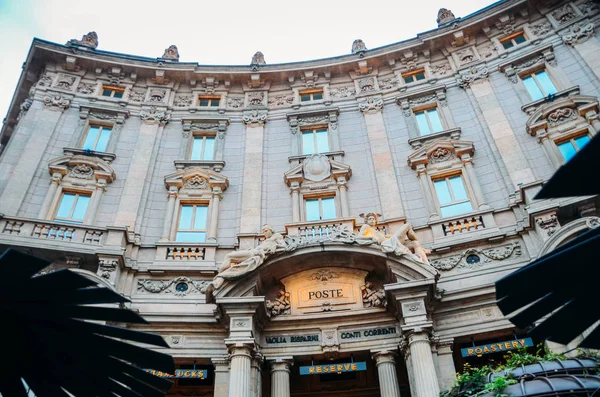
(546, 83)
(209, 148)
(434, 119)
(200, 219)
(308, 143)
(312, 210)
(458, 188)
(420, 76)
(118, 94)
(533, 89)
(106, 92)
(408, 79)
(456, 209)
(185, 217)
(197, 149)
(190, 237)
(305, 97)
(519, 39)
(422, 123)
(81, 208)
(90, 139)
(567, 150)
(322, 141)
(317, 96)
(328, 205)
(582, 141)
(215, 102)
(507, 44)
(66, 203)
(203, 102)
(441, 188)
(103, 141)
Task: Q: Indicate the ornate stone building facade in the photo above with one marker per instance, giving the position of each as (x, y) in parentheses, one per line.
(397, 183)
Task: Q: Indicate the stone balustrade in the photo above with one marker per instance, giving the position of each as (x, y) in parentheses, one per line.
(319, 230)
(463, 225)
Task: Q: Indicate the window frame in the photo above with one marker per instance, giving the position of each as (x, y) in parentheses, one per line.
(78, 193)
(210, 99)
(532, 74)
(511, 38)
(113, 89)
(320, 197)
(426, 109)
(314, 129)
(194, 203)
(559, 140)
(412, 75)
(311, 94)
(204, 136)
(101, 127)
(466, 185)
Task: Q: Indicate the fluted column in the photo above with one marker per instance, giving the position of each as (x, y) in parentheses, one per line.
(221, 376)
(424, 375)
(54, 182)
(295, 187)
(426, 188)
(467, 161)
(241, 363)
(343, 188)
(214, 216)
(256, 380)
(386, 370)
(280, 377)
(447, 370)
(168, 222)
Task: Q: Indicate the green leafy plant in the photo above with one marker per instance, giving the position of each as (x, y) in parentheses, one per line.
(498, 385)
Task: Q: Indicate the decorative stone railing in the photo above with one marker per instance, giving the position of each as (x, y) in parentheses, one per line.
(320, 229)
(19, 231)
(185, 252)
(463, 225)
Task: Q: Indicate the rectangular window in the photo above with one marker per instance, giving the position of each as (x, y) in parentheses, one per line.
(411, 77)
(191, 226)
(569, 148)
(429, 121)
(539, 85)
(452, 196)
(315, 141)
(96, 138)
(209, 100)
(112, 91)
(203, 148)
(513, 40)
(72, 208)
(320, 209)
(311, 95)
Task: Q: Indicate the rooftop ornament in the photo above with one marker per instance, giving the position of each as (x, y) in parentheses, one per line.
(444, 16)
(89, 40)
(358, 47)
(171, 53)
(258, 59)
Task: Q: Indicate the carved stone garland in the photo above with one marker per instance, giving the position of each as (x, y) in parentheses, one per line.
(170, 286)
(490, 254)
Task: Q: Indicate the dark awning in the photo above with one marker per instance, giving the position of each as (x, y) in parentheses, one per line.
(49, 345)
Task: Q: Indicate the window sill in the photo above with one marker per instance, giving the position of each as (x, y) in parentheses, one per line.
(301, 157)
(452, 133)
(214, 165)
(108, 157)
(206, 109)
(531, 107)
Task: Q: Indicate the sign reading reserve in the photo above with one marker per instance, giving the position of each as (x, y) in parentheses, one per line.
(333, 368)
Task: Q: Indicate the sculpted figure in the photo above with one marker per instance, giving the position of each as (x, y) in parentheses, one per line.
(372, 297)
(258, 59)
(403, 242)
(280, 305)
(241, 262)
(88, 40)
(171, 53)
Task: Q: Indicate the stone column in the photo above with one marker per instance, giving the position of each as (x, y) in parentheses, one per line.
(54, 182)
(214, 216)
(27, 148)
(153, 122)
(425, 377)
(295, 187)
(221, 377)
(256, 376)
(389, 192)
(253, 169)
(386, 370)
(280, 377)
(95, 202)
(502, 134)
(467, 161)
(168, 222)
(550, 149)
(427, 193)
(447, 371)
(240, 355)
(343, 188)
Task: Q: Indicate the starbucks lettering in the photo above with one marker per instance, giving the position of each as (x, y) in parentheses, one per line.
(330, 293)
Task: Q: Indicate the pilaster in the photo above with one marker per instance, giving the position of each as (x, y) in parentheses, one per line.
(445, 364)
(221, 365)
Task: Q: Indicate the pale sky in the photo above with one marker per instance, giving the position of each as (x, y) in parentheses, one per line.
(214, 32)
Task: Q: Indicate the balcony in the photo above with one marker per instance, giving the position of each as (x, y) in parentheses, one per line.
(319, 230)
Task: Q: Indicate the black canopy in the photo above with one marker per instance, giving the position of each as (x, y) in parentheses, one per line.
(49, 347)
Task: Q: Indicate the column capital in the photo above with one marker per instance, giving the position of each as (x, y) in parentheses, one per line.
(384, 356)
(240, 348)
(281, 363)
(220, 361)
(371, 105)
(254, 118)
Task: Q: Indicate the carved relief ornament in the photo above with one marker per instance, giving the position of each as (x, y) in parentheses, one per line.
(155, 116)
(254, 118)
(459, 261)
(578, 33)
(299, 120)
(475, 73)
(515, 67)
(371, 105)
(57, 102)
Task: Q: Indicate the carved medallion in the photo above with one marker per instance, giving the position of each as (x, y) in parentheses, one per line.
(196, 182)
(316, 168)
